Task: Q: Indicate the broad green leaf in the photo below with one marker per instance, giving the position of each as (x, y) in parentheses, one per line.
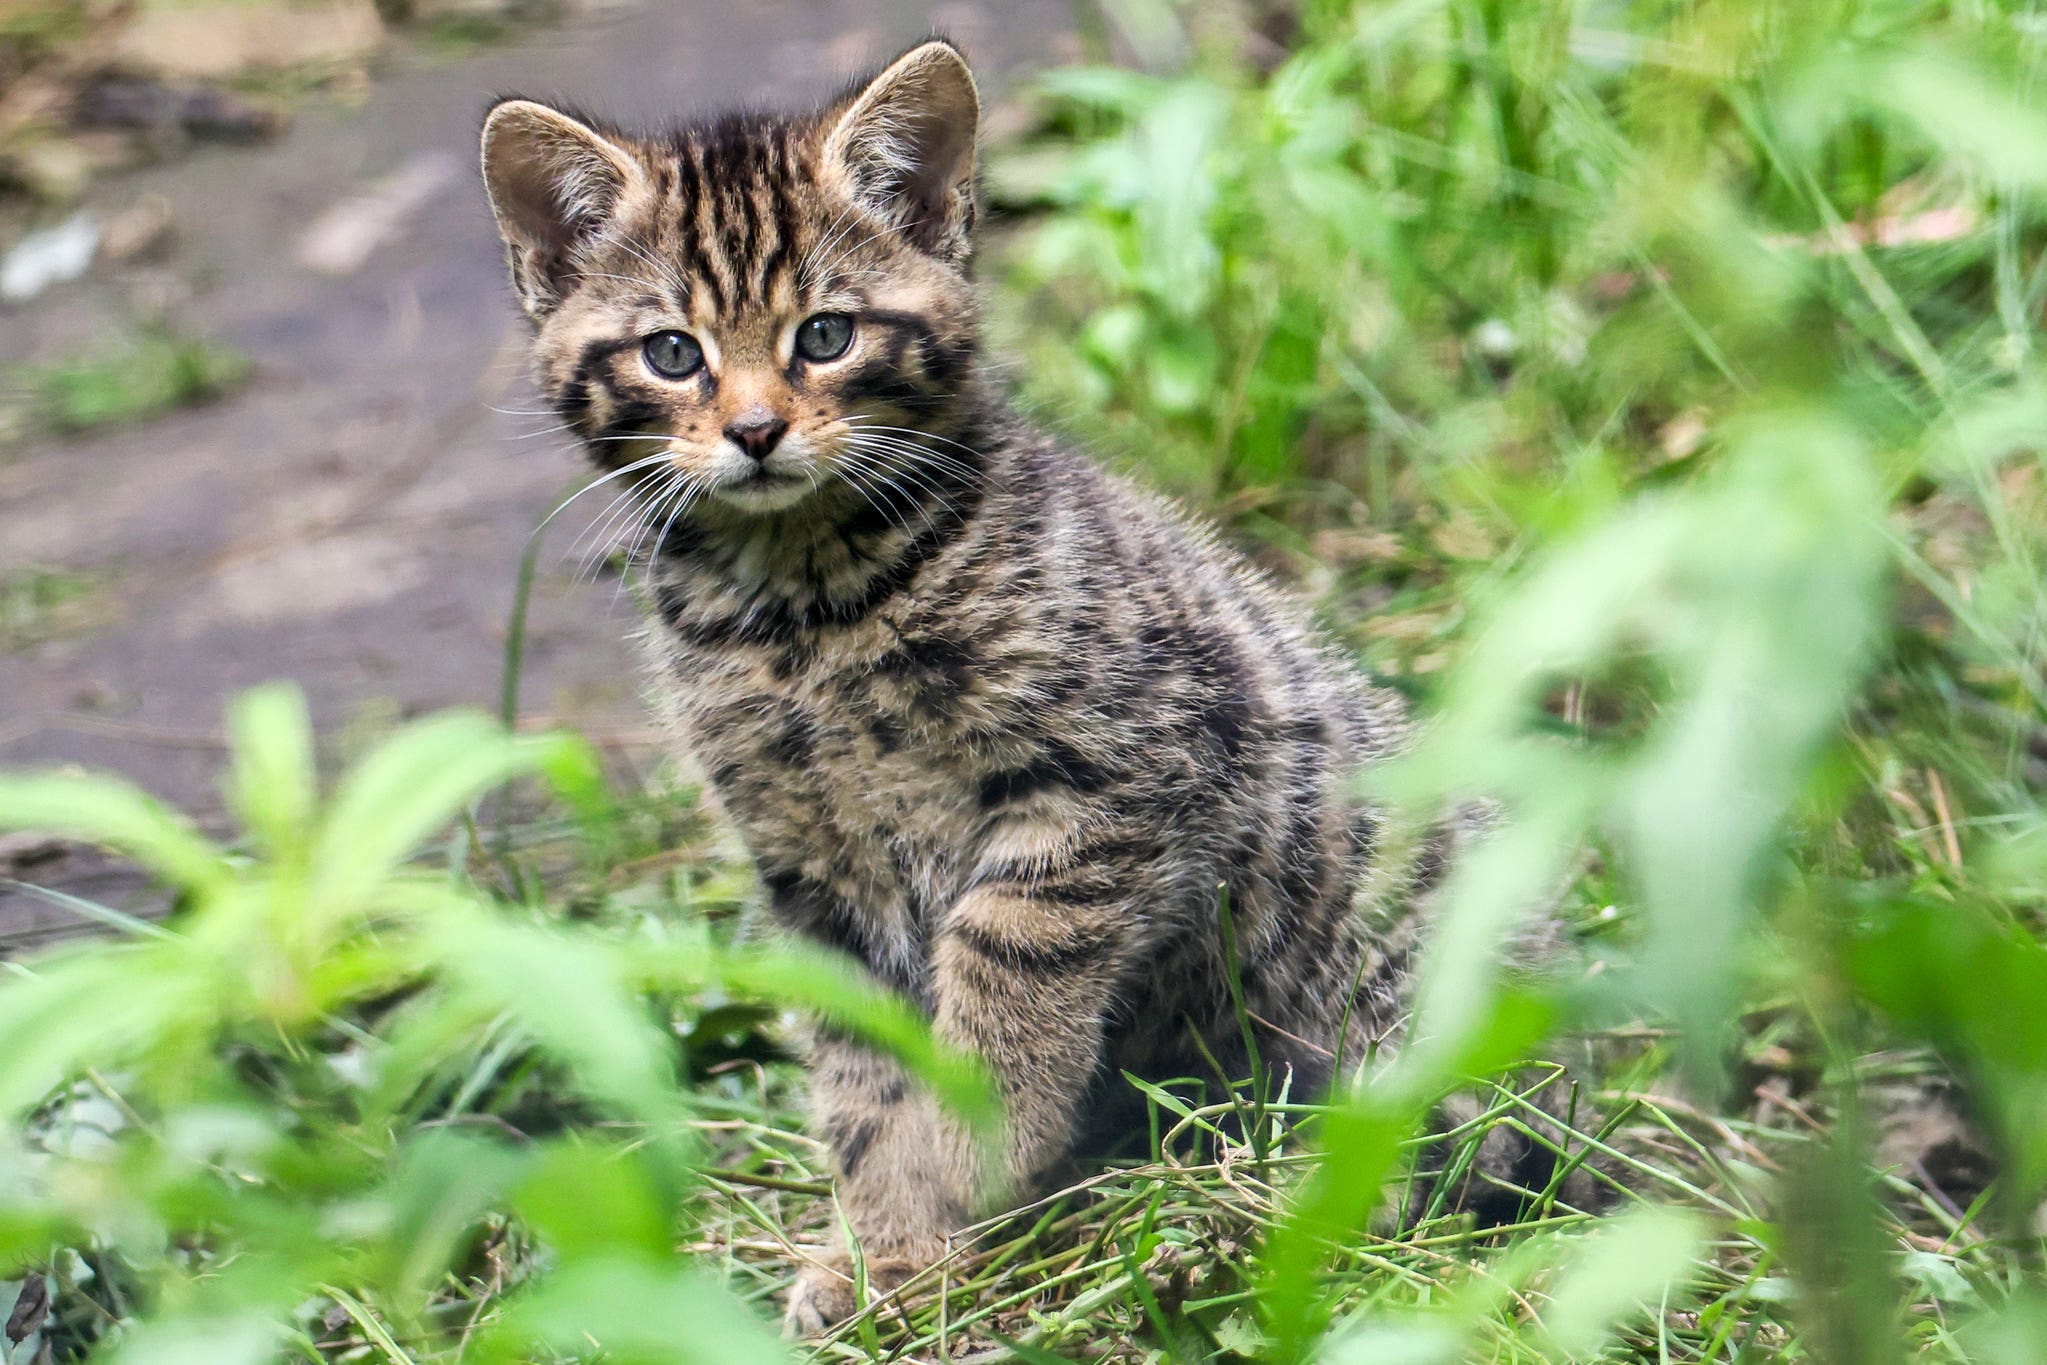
(637, 1313)
(446, 1180)
(1183, 369)
(1361, 1141)
(110, 812)
(408, 788)
(568, 993)
(1970, 111)
(589, 1200)
(94, 1007)
(832, 989)
(1408, 1340)
(1630, 1266)
(245, 1339)
(272, 785)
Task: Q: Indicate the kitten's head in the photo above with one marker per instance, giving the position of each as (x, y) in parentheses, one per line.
(758, 308)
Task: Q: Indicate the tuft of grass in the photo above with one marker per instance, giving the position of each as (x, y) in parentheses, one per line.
(38, 603)
(157, 374)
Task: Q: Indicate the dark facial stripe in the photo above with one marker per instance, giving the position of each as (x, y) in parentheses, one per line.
(700, 225)
(746, 210)
(682, 210)
(589, 363)
(783, 218)
(943, 362)
(882, 380)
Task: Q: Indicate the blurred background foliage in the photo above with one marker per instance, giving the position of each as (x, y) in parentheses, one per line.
(1652, 389)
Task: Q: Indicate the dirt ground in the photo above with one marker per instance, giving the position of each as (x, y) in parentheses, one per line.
(353, 519)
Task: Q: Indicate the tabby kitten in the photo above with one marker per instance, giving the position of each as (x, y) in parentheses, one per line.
(999, 726)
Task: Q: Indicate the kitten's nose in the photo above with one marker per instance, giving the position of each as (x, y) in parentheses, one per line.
(755, 431)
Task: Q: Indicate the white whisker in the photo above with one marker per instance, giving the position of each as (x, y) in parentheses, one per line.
(564, 504)
(924, 455)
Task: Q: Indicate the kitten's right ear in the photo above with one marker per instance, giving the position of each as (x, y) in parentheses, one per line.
(553, 181)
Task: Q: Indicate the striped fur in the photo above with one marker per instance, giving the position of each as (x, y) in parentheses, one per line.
(995, 724)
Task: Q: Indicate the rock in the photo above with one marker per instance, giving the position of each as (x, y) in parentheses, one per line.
(57, 169)
(49, 257)
(21, 851)
(31, 1307)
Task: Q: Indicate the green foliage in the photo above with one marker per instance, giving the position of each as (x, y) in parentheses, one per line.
(1679, 361)
(277, 1104)
(37, 603)
(158, 373)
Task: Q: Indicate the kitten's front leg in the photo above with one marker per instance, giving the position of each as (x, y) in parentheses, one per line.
(1025, 979)
(1025, 983)
(907, 1174)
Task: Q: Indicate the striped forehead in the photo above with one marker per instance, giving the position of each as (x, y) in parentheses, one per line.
(731, 216)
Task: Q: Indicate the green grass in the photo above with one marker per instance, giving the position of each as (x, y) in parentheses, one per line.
(132, 383)
(38, 603)
(1650, 389)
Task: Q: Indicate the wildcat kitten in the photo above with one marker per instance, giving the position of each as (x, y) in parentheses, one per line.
(996, 724)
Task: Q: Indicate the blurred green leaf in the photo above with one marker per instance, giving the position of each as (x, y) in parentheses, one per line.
(408, 788)
(589, 1201)
(1630, 1267)
(637, 1315)
(111, 813)
(272, 784)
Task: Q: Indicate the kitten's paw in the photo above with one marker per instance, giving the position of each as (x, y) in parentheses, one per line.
(823, 1295)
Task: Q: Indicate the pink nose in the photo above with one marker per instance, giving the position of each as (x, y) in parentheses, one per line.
(756, 431)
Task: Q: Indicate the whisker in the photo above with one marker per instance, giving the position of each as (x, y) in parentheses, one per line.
(873, 234)
(856, 474)
(601, 275)
(807, 272)
(669, 274)
(864, 423)
(898, 458)
(871, 462)
(605, 528)
(602, 535)
(923, 455)
(563, 506)
(628, 508)
(692, 489)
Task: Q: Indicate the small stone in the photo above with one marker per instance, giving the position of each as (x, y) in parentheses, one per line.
(50, 256)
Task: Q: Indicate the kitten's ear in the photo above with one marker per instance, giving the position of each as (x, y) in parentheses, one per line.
(553, 181)
(904, 147)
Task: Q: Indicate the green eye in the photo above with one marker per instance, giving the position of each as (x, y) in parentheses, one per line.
(673, 355)
(824, 336)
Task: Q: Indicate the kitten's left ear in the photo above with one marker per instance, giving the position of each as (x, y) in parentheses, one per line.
(905, 147)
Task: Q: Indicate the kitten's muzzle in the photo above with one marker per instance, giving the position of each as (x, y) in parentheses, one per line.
(756, 431)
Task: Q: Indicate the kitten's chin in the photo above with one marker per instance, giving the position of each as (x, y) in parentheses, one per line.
(762, 491)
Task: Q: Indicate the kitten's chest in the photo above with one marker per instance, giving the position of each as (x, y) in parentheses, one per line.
(855, 757)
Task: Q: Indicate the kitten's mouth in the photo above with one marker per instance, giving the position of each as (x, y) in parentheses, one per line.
(761, 489)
